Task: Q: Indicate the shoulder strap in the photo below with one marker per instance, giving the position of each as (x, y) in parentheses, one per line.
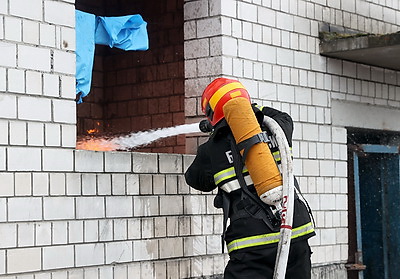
(266, 214)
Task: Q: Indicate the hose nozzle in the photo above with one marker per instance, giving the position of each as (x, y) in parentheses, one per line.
(205, 126)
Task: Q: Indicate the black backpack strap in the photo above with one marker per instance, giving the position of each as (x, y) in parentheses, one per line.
(248, 143)
(264, 213)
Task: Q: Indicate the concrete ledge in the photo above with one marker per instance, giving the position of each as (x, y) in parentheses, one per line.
(376, 50)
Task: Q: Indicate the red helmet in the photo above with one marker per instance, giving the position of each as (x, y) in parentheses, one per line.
(217, 93)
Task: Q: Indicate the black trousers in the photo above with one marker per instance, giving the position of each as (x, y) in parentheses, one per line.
(259, 263)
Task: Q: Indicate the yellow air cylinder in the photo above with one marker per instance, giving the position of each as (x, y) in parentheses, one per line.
(259, 160)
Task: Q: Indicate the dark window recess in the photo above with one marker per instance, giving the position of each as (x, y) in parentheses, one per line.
(137, 90)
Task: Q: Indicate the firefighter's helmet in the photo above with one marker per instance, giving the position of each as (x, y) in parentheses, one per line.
(217, 93)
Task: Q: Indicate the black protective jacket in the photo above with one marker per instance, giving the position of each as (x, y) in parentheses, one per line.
(248, 217)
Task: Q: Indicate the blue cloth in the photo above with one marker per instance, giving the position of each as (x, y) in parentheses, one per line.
(124, 32)
(85, 30)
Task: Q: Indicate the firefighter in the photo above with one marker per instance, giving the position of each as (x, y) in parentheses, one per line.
(254, 218)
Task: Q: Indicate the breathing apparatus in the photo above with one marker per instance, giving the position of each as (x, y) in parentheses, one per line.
(228, 99)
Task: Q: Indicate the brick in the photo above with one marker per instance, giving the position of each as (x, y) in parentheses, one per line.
(8, 55)
(57, 208)
(132, 184)
(3, 210)
(119, 252)
(24, 209)
(17, 133)
(95, 158)
(68, 87)
(104, 184)
(247, 50)
(47, 35)
(23, 159)
(40, 184)
(117, 161)
(52, 162)
(91, 231)
(16, 81)
(144, 163)
(57, 184)
(8, 233)
(75, 232)
(171, 205)
(12, 29)
(43, 233)
(31, 9)
(64, 111)
(73, 184)
(119, 207)
(120, 229)
(118, 184)
(52, 134)
(145, 250)
(302, 60)
(52, 13)
(26, 234)
(64, 62)
(145, 206)
(2, 262)
(3, 78)
(7, 184)
(24, 260)
(195, 10)
(30, 32)
(8, 106)
(68, 136)
(30, 108)
(35, 134)
(23, 184)
(51, 85)
(208, 27)
(172, 247)
(170, 163)
(33, 58)
(89, 184)
(90, 207)
(58, 257)
(68, 38)
(196, 49)
(33, 82)
(59, 232)
(89, 254)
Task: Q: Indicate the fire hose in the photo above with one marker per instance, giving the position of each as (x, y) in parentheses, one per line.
(287, 200)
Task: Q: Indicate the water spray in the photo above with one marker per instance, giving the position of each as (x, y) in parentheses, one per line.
(137, 139)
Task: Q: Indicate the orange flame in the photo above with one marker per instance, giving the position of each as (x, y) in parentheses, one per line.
(96, 145)
(92, 131)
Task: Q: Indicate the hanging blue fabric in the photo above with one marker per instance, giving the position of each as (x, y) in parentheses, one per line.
(124, 32)
(85, 30)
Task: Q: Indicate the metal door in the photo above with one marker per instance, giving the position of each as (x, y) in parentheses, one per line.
(377, 194)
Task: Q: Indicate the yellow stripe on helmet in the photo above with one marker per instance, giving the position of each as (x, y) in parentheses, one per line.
(222, 91)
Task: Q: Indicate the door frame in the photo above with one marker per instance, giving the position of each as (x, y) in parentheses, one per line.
(368, 148)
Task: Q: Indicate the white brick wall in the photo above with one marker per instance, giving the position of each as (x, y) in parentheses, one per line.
(70, 210)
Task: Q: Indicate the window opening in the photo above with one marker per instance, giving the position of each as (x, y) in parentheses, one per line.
(133, 91)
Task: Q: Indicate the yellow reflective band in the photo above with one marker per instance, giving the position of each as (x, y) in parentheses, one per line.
(222, 91)
(265, 239)
(259, 107)
(226, 174)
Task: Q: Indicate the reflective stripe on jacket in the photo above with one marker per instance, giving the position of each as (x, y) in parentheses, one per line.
(265, 239)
